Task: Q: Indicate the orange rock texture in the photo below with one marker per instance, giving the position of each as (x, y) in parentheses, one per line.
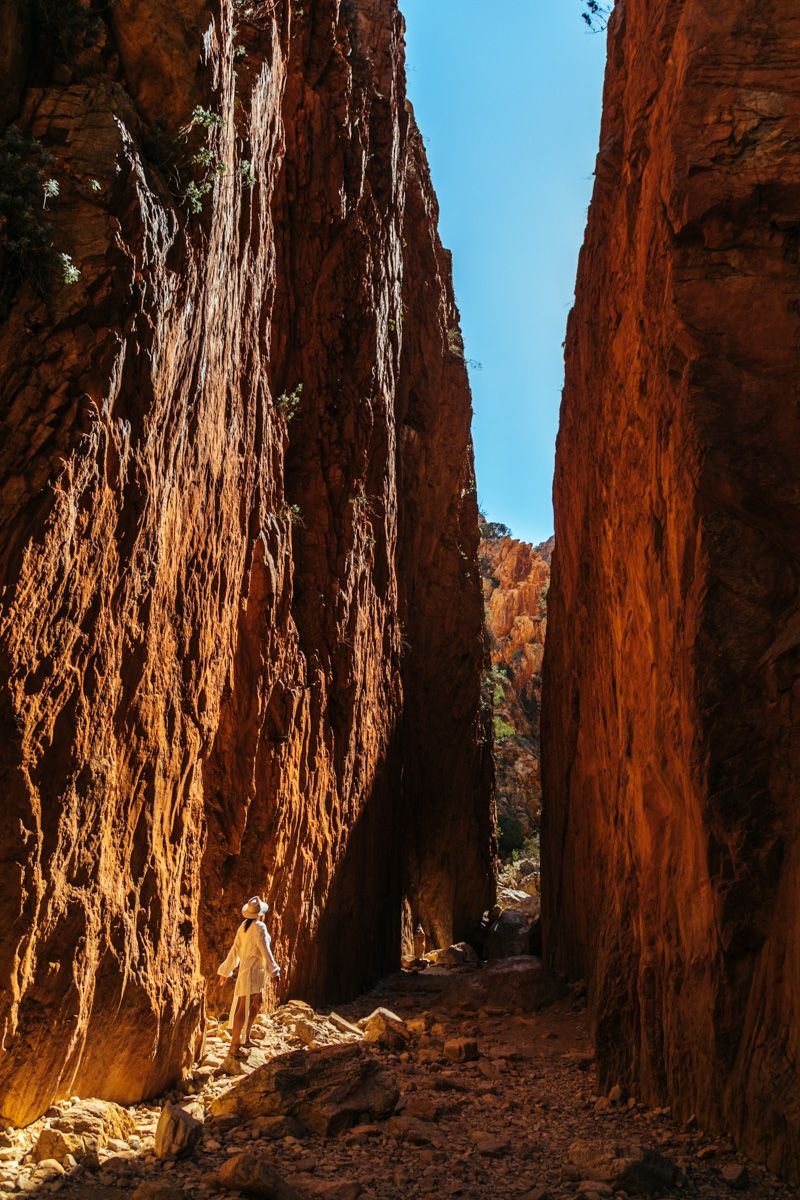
(241, 623)
(671, 725)
(516, 577)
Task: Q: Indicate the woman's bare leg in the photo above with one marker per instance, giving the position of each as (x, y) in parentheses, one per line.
(255, 1007)
(238, 1022)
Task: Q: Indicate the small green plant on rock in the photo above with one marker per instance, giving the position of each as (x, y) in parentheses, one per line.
(503, 730)
(26, 248)
(455, 342)
(193, 197)
(69, 272)
(291, 513)
(205, 117)
(247, 173)
(50, 190)
(288, 403)
(364, 503)
(212, 167)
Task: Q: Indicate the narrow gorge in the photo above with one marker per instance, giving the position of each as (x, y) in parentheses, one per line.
(256, 637)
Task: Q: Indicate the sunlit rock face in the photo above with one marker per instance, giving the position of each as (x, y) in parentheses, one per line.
(516, 577)
(671, 687)
(241, 619)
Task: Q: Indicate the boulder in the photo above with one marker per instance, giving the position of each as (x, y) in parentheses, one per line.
(629, 1167)
(328, 1189)
(461, 1049)
(48, 1168)
(736, 1177)
(252, 1171)
(343, 1025)
(177, 1132)
(277, 1127)
(326, 1089)
(385, 1028)
(508, 937)
(520, 901)
(453, 957)
(304, 1031)
(83, 1129)
(158, 1189)
(490, 1145)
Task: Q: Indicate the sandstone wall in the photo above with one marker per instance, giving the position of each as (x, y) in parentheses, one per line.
(516, 577)
(241, 646)
(671, 673)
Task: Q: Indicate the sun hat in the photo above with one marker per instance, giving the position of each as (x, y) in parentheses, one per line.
(255, 907)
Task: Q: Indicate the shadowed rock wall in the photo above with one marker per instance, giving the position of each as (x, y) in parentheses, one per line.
(241, 641)
(672, 668)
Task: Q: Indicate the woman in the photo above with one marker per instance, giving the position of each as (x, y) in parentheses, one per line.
(251, 950)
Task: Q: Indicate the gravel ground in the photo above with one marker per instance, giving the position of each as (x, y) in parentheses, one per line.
(503, 1125)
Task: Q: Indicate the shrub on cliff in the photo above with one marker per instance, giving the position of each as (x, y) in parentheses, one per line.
(491, 529)
(596, 15)
(26, 249)
(510, 835)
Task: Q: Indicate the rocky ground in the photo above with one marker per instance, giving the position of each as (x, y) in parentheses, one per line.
(468, 1082)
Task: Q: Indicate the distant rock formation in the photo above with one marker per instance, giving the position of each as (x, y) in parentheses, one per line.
(241, 629)
(516, 577)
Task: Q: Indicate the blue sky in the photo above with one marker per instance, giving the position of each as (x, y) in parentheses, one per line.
(508, 99)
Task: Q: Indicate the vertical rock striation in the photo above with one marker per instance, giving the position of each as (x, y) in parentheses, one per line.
(516, 577)
(672, 669)
(241, 630)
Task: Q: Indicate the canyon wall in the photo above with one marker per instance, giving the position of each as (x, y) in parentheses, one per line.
(241, 617)
(671, 725)
(516, 577)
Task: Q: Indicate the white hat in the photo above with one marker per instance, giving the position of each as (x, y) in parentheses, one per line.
(255, 907)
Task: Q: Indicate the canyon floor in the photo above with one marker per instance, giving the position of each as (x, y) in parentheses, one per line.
(518, 1118)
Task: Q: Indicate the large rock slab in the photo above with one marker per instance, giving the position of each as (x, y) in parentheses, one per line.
(671, 724)
(327, 1090)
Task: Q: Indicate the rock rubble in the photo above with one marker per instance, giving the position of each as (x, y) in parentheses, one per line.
(488, 1095)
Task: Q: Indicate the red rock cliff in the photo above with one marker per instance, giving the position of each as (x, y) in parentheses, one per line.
(516, 577)
(672, 669)
(241, 636)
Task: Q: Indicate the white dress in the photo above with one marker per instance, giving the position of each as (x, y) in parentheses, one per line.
(252, 951)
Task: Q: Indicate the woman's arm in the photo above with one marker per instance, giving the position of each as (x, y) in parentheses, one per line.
(230, 964)
(265, 948)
